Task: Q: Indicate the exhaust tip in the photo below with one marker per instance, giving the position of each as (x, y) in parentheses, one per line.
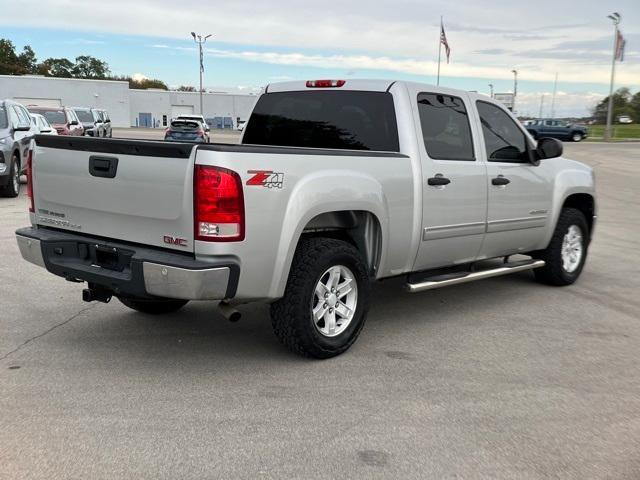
(230, 313)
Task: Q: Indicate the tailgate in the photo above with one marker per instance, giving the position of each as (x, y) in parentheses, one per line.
(130, 190)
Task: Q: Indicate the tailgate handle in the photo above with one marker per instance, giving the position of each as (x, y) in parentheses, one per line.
(104, 167)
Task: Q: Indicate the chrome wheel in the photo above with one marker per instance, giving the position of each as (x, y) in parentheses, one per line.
(334, 301)
(572, 249)
(577, 137)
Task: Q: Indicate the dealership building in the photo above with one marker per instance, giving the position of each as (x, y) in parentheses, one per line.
(126, 107)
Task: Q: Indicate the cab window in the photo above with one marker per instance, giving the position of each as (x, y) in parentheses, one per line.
(503, 139)
(445, 127)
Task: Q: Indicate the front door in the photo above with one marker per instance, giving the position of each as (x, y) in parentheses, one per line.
(453, 183)
(519, 192)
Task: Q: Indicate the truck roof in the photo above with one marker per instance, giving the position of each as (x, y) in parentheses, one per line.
(366, 85)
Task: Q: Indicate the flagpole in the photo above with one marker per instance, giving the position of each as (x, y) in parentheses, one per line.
(607, 131)
(439, 49)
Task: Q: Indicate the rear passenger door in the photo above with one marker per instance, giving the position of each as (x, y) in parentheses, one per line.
(454, 181)
(519, 192)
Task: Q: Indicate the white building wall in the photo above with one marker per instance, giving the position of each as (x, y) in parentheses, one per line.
(110, 95)
(124, 105)
(160, 102)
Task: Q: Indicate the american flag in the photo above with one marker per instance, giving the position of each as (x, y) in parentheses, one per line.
(620, 44)
(443, 41)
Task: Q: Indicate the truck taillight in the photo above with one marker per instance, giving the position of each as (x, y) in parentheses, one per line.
(325, 83)
(30, 181)
(218, 204)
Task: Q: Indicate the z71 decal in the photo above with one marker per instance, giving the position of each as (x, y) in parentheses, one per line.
(266, 178)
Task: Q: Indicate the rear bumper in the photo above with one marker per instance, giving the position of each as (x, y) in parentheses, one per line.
(128, 269)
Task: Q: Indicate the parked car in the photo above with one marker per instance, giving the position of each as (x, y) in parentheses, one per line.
(557, 129)
(43, 127)
(16, 135)
(336, 184)
(624, 119)
(106, 123)
(183, 130)
(63, 119)
(198, 118)
(91, 121)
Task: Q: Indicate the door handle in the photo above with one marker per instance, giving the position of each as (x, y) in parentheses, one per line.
(438, 181)
(500, 181)
(105, 167)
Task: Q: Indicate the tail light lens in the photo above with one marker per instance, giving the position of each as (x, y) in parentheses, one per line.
(200, 132)
(218, 205)
(325, 83)
(30, 181)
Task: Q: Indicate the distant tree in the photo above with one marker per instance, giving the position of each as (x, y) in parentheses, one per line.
(56, 67)
(27, 60)
(87, 66)
(186, 88)
(621, 105)
(634, 105)
(148, 83)
(142, 84)
(8, 59)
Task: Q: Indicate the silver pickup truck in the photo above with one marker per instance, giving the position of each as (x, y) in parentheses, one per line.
(335, 184)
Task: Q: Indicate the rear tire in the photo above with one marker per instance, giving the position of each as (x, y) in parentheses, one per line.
(312, 319)
(12, 188)
(567, 251)
(153, 307)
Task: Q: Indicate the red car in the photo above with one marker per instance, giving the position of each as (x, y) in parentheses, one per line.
(63, 119)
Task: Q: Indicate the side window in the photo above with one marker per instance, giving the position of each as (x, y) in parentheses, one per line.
(504, 141)
(23, 118)
(445, 127)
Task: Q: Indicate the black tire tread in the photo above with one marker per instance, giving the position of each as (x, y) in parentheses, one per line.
(552, 273)
(8, 190)
(286, 313)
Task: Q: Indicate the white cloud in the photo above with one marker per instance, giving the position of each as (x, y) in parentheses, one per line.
(570, 73)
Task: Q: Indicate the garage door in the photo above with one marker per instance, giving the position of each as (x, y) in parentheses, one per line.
(39, 102)
(181, 110)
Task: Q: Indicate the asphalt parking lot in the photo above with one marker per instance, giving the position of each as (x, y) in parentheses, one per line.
(503, 378)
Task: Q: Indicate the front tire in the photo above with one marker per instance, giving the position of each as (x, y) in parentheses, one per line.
(12, 188)
(567, 252)
(326, 300)
(577, 137)
(153, 307)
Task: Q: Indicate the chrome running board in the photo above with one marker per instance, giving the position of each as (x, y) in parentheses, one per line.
(465, 277)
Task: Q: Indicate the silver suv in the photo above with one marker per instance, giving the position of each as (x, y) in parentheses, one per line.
(91, 120)
(16, 132)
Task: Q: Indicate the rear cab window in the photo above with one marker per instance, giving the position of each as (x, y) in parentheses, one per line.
(346, 120)
(445, 127)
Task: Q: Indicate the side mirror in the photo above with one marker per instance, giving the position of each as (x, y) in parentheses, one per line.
(548, 148)
(108, 120)
(22, 128)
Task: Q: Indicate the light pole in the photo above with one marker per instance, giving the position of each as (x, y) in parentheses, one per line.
(491, 87)
(615, 18)
(515, 90)
(541, 105)
(200, 41)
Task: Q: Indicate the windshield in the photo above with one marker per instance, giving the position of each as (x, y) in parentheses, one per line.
(84, 116)
(54, 116)
(3, 117)
(350, 120)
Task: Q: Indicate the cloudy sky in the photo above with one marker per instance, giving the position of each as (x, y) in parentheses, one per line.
(256, 42)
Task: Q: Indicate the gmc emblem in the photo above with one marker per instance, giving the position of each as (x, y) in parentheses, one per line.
(180, 242)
